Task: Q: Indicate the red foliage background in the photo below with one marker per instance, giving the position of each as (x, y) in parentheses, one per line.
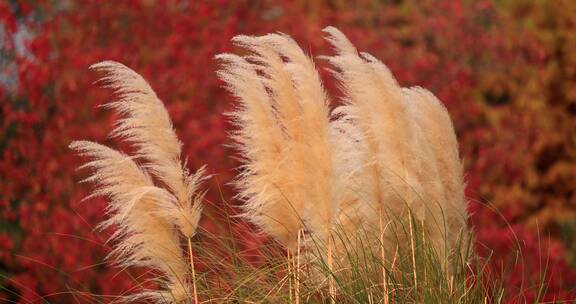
(506, 71)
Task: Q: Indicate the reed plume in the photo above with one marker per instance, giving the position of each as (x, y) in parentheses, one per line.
(407, 145)
(448, 185)
(373, 102)
(284, 136)
(153, 202)
(147, 126)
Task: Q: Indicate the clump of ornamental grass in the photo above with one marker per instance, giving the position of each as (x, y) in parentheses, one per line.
(365, 199)
(387, 152)
(154, 202)
(414, 272)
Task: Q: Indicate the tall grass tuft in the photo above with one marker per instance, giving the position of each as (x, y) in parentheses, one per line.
(288, 181)
(154, 200)
(366, 199)
(385, 151)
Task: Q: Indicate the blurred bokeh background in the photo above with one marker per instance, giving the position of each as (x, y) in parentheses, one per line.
(505, 69)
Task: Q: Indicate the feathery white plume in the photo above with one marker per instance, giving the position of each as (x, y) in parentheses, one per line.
(284, 135)
(373, 100)
(439, 136)
(150, 203)
(407, 143)
(264, 184)
(147, 126)
(142, 238)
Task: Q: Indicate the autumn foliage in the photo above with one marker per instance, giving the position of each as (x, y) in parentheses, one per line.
(505, 70)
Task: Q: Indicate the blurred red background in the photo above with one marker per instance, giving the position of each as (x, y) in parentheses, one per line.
(505, 69)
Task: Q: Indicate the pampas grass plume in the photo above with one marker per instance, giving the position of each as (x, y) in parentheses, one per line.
(153, 199)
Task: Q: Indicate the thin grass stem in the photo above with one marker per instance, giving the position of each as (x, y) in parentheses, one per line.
(383, 257)
(290, 273)
(331, 287)
(297, 283)
(194, 287)
(412, 246)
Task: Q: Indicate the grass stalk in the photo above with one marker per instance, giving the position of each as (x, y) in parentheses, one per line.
(413, 250)
(290, 273)
(297, 281)
(424, 246)
(383, 257)
(194, 287)
(330, 262)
